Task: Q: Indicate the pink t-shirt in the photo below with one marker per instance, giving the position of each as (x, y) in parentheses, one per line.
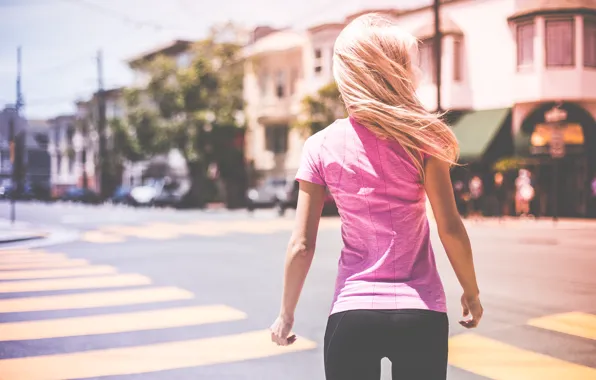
(387, 261)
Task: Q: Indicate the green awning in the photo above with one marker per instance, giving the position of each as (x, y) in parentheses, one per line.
(476, 130)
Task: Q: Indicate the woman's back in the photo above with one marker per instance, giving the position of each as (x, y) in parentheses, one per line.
(387, 260)
(389, 301)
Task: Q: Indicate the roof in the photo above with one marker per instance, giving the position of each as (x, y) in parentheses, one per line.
(447, 25)
(476, 130)
(383, 11)
(328, 25)
(170, 48)
(525, 8)
(283, 40)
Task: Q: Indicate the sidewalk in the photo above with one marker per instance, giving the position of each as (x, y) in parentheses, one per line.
(19, 231)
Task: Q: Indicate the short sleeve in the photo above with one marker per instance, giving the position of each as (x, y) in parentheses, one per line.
(310, 169)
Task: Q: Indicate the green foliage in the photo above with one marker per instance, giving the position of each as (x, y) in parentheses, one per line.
(507, 164)
(321, 109)
(184, 107)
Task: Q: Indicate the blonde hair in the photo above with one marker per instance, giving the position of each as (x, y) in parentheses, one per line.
(372, 65)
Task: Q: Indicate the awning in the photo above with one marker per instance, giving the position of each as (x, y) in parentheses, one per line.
(476, 130)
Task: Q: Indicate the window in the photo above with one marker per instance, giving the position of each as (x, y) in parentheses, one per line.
(280, 85)
(59, 163)
(276, 138)
(525, 44)
(57, 136)
(427, 61)
(293, 80)
(590, 42)
(70, 131)
(263, 83)
(71, 161)
(318, 61)
(560, 43)
(457, 60)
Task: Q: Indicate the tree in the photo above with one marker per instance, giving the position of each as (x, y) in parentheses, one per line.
(188, 108)
(321, 109)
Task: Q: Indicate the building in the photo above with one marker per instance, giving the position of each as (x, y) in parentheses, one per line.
(66, 155)
(505, 64)
(31, 140)
(8, 115)
(74, 143)
(38, 161)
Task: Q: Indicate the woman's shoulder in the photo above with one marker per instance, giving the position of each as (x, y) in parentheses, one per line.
(319, 138)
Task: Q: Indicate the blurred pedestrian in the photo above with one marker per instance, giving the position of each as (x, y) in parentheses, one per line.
(500, 195)
(476, 192)
(378, 165)
(524, 193)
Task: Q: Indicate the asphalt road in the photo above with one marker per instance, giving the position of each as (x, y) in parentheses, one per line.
(164, 294)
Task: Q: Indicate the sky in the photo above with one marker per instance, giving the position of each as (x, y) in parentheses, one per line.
(60, 39)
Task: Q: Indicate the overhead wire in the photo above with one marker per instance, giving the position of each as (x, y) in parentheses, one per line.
(123, 17)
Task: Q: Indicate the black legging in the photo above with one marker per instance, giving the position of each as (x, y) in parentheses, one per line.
(414, 340)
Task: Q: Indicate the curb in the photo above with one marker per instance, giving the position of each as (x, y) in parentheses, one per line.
(33, 236)
(19, 239)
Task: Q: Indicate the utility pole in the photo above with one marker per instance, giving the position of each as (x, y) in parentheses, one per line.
(14, 118)
(101, 126)
(438, 50)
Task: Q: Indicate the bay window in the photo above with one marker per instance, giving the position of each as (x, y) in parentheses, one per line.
(590, 42)
(525, 44)
(560, 42)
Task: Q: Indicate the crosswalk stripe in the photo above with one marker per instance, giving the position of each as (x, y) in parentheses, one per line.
(146, 232)
(66, 263)
(149, 358)
(94, 299)
(500, 361)
(116, 323)
(56, 273)
(575, 323)
(13, 251)
(32, 257)
(101, 237)
(74, 283)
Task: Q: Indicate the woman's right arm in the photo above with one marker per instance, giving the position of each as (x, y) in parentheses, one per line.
(453, 235)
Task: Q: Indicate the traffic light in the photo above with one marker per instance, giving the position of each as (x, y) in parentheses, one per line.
(12, 152)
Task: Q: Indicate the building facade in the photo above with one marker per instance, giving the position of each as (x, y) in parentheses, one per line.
(74, 142)
(505, 64)
(31, 141)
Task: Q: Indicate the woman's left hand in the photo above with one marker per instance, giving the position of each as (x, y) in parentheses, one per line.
(280, 331)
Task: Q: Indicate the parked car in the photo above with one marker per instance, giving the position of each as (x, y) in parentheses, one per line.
(144, 195)
(290, 200)
(121, 196)
(268, 194)
(11, 192)
(81, 195)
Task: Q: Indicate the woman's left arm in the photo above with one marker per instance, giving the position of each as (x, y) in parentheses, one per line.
(300, 252)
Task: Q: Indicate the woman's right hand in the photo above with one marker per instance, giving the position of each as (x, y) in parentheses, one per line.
(471, 307)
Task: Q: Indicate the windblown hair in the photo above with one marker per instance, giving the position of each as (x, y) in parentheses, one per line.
(377, 80)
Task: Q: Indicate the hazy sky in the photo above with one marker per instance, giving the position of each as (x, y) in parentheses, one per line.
(60, 38)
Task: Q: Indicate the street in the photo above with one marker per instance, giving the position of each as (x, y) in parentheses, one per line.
(165, 294)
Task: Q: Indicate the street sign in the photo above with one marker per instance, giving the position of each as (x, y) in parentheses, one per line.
(557, 143)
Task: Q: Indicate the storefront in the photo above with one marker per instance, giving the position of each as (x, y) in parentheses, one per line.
(558, 143)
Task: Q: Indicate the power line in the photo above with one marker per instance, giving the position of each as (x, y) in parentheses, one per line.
(120, 16)
(63, 65)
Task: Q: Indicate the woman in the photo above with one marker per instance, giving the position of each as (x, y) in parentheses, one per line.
(378, 164)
